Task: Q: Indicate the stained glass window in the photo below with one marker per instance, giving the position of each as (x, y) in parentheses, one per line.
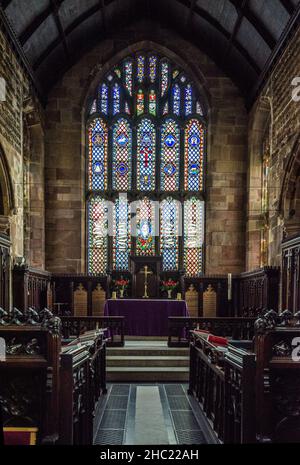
(152, 68)
(116, 99)
(149, 140)
(146, 141)
(145, 227)
(97, 235)
(170, 223)
(122, 147)
(128, 76)
(176, 99)
(152, 102)
(140, 68)
(193, 236)
(103, 100)
(170, 155)
(140, 102)
(188, 99)
(193, 156)
(98, 139)
(164, 78)
(121, 237)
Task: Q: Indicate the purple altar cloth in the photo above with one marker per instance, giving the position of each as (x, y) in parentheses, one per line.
(145, 317)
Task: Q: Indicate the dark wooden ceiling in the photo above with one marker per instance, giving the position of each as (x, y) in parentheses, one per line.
(241, 36)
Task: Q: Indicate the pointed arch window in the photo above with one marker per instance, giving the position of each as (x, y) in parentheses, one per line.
(146, 133)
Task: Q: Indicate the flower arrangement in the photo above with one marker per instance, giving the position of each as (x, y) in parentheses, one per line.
(121, 284)
(169, 286)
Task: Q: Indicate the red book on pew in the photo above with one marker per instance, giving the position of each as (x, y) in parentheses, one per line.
(221, 341)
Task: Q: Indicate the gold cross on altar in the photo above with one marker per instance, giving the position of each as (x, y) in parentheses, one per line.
(146, 273)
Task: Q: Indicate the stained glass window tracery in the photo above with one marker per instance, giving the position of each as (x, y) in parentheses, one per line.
(146, 153)
(104, 99)
(176, 99)
(122, 152)
(150, 108)
(170, 155)
(98, 140)
(170, 222)
(97, 235)
(128, 76)
(116, 99)
(145, 227)
(193, 155)
(152, 68)
(193, 236)
(121, 237)
(188, 99)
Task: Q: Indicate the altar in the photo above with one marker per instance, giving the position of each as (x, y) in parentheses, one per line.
(145, 317)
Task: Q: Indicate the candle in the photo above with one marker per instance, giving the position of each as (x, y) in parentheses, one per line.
(114, 295)
(229, 295)
(178, 295)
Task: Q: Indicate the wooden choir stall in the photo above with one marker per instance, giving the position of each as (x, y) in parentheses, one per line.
(50, 386)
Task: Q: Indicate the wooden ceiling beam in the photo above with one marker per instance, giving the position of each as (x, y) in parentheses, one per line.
(35, 24)
(61, 32)
(288, 6)
(238, 22)
(83, 17)
(213, 22)
(256, 22)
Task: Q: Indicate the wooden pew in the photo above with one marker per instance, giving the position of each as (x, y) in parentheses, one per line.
(236, 328)
(251, 396)
(278, 384)
(29, 380)
(47, 388)
(222, 382)
(82, 381)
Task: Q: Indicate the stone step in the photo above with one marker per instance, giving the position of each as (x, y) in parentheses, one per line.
(147, 374)
(146, 352)
(142, 361)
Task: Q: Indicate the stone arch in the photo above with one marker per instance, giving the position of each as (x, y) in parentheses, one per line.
(289, 200)
(7, 203)
(98, 73)
(259, 122)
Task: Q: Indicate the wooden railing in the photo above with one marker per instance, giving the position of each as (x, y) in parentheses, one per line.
(235, 328)
(223, 385)
(114, 325)
(206, 382)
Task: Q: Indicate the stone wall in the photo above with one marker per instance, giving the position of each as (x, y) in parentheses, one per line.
(18, 140)
(274, 108)
(11, 128)
(226, 167)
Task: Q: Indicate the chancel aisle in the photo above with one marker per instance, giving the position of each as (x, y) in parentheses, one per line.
(145, 317)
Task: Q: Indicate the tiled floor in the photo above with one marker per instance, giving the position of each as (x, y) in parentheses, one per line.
(150, 414)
